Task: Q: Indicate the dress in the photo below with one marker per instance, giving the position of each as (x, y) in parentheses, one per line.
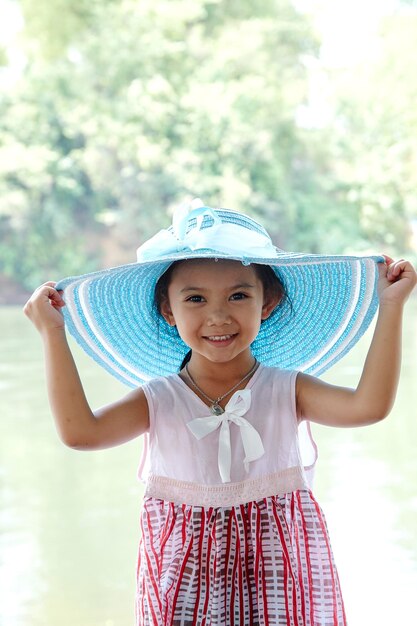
(231, 534)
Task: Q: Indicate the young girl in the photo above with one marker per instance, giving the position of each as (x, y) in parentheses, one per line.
(222, 332)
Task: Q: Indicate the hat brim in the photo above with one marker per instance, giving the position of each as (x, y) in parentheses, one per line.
(331, 301)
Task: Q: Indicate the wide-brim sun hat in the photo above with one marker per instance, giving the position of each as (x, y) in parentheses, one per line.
(113, 315)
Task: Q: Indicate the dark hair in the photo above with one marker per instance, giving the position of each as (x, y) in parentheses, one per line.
(272, 285)
(161, 287)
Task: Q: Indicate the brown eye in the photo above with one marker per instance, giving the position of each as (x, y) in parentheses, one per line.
(195, 299)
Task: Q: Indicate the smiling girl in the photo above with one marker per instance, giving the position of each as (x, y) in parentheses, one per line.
(222, 337)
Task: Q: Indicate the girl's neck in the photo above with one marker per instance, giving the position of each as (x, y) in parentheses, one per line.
(220, 373)
(216, 382)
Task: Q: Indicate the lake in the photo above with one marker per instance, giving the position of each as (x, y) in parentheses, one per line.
(69, 521)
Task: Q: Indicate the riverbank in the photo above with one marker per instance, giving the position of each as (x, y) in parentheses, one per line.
(11, 293)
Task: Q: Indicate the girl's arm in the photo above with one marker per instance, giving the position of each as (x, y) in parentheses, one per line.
(78, 426)
(374, 396)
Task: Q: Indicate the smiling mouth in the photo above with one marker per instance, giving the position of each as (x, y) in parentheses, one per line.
(219, 338)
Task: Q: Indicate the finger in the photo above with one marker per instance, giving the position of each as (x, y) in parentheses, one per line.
(48, 290)
(388, 259)
(49, 283)
(396, 269)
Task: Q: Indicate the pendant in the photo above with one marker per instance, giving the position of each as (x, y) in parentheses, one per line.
(216, 409)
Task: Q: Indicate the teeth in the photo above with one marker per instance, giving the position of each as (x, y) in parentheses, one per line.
(220, 337)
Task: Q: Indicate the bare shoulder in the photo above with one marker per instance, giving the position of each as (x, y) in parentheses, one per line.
(133, 403)
(137, 399)
(305, 382)
(126, 418)
(324, 403)
(306, 387)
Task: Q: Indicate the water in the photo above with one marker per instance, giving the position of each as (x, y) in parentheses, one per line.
(69, 520)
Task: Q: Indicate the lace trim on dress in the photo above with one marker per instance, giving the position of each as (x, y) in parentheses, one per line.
(229, 494)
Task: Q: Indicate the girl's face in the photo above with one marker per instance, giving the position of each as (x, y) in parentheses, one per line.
(217, 307)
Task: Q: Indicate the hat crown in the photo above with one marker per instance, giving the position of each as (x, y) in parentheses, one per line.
(202, 229)
(204, 216)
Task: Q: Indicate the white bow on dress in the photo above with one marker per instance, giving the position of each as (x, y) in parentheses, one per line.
(237, 406)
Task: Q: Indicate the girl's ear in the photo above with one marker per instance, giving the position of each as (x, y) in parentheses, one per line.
(270, 302)
(166, 312)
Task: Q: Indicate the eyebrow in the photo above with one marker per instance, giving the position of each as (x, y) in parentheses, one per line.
(233, 288)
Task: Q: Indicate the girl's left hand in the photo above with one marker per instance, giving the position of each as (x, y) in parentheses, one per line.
(397, 279)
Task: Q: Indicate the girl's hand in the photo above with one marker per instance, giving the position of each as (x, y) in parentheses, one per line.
(44, 308)
(397, 279)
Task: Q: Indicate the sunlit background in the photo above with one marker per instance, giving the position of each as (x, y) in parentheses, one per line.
(112, 112)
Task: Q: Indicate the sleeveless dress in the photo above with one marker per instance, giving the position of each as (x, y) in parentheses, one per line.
(231, 534)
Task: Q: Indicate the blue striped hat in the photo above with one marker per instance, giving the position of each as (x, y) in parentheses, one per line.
(113, 315)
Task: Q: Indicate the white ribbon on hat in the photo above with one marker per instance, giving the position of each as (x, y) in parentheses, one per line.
(237, 406)
(223, 237)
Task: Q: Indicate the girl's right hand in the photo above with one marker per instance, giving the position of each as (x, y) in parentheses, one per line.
(44, 308)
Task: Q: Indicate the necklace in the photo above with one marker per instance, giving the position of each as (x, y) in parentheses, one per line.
(215, 407)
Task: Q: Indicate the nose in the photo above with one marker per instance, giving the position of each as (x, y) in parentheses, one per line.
(218, 316)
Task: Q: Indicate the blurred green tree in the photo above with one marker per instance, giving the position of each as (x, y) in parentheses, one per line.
(375, 138)
(126, 108)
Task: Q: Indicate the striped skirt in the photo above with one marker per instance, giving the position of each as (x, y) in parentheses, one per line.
(264, 563)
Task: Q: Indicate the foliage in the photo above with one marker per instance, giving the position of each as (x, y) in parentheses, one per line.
(376, 136)
(126, 108)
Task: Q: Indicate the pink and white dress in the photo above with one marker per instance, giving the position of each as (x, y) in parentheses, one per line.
(231, 533)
